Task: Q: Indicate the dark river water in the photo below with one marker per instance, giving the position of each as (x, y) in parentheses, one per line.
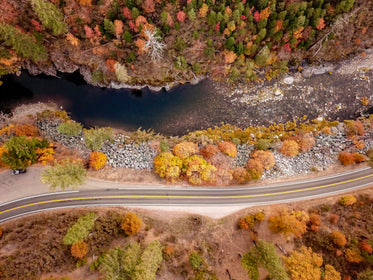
(170, 112)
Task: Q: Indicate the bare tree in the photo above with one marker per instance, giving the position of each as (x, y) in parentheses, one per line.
(153, 45)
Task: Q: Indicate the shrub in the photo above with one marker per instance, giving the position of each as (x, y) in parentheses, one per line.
(289, 148)
(80, 230)
(240, 175)
(208, 151)
(131, 223)
(79, 250)
(65, 174)
(185, 149)
(346, 158)
(353, 256)
(168, 166)
(97, 160)
(289, 222)
(263, 144)
(347, 200)
(266, 158)
(94, 138)
(354, 128)
(254, 168)
(228, 148)
(338, 238)
(70, 128)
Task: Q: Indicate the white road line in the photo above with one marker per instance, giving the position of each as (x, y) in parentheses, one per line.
(37, 195)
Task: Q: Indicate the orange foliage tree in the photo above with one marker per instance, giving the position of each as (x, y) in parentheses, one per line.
(304, 264)
(289, 148)
(266, 158)
(25, 129)
(289, 222)
(254, 168)
(315, 221)
(365, 246)
(208, 151)
(228, 148)
(249, 221)
(353, 255)
(347, 158)
(240, 175)
(97, 160)
(79, 250)
(185, 149)
(131, 223)
(338, 238)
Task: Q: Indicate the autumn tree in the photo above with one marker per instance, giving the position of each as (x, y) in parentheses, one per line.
(266, 158)
(354, 127)
(64, 174)
(331, 273)
(347, 200)
(249, 221)
(97, 160)
(208, 151)
(19, 151)
(289, 222)
(289, 148)
(198, 170)
(80, 230)
(228, 148)
(346, 158)
(254, 168)
(353, 255)
(240, 175)
(263, 255)
(131, 223)
(185, 149)
(304, 264)
(50, 16)
(79, 250)
(315, 222)
(24, 44)
(168, 166)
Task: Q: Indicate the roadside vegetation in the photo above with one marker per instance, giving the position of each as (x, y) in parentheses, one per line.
(206, 157)
(328, 241)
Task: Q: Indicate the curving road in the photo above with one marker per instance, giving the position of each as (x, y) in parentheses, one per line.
(248, 195)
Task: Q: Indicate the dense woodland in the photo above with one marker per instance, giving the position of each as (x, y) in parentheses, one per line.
(114, 40)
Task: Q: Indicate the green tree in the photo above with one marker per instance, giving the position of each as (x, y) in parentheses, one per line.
(80, 230)
(149, 263)
(65, 174)
(70, 128)
(21, 152)
(24, 44)
(264, 255)
(50, 16)
(94, 138)
(109, 26)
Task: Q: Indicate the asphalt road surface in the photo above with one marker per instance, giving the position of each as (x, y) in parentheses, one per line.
(191, 196)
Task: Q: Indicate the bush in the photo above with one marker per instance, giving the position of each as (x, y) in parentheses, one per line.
(353, 256)
(131, 223)
(289, 148)
(338, 238)
(254, 168)
(240, 175)
(97, 160)
(70, 128)
(228, 148)
(65, 174)
(347, 200)
(263, 144)
(185, 149)
(266, 158)
(346, 158)
(94, 138)
(79, 250)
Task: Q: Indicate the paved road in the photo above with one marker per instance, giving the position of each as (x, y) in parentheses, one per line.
(253, 195)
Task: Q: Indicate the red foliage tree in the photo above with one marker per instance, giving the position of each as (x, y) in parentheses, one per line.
(181, 16)
(127, 13)
(148, 6)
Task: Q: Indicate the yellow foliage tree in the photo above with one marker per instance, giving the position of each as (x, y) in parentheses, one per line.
(264, 14)
(203, 10)
(198, 171)
(254, 168)
(347, 200)
(331, 273)
(45, 155)
(304, 264)
(168, 166)
(79, 250)
(97, 160)
(229, 57)
(131, 223)
(289, 222)
(266, 158)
